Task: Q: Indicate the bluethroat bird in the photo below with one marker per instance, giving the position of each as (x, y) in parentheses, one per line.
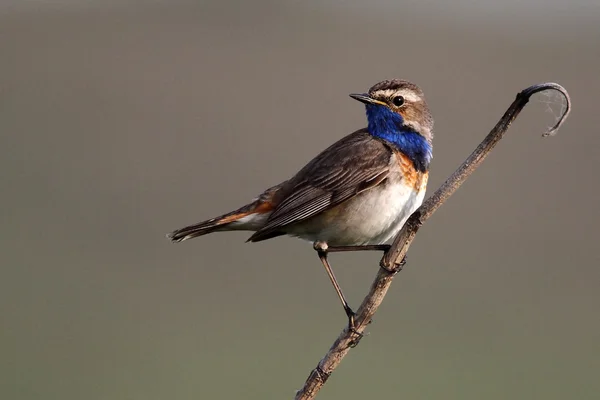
(355, 195)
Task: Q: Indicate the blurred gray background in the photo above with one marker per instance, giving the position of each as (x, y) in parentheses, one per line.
(120, 121)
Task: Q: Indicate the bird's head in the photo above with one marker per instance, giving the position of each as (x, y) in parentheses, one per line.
(397, 105)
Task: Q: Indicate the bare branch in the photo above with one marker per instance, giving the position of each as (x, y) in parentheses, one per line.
(391, 263)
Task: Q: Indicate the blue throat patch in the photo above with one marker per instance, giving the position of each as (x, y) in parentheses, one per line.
(388, 125)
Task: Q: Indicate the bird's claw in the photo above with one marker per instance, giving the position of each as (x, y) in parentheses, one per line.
(352, 328)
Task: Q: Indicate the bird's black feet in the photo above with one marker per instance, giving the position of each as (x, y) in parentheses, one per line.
(402, 263)
(352, 328)
(397, 267)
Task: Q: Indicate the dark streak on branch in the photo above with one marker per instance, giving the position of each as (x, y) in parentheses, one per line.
(391, 262)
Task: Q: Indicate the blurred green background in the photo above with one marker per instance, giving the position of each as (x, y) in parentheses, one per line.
(121, 121)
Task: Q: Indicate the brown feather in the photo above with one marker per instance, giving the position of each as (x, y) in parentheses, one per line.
(263, 204)
(350, 166)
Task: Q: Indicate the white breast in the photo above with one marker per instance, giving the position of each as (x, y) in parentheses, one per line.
(372, 217)
(382, 215)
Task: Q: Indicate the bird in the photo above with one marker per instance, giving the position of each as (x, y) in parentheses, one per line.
(356, 194)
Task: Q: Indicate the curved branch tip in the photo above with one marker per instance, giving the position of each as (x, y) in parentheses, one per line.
(541, 87)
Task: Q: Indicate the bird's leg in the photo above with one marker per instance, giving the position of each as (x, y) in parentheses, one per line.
(368, 247)
(322, 250)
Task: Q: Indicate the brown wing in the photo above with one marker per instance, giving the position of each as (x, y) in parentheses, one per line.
(352, 165)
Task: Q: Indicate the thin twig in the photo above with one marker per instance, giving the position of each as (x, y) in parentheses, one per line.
(391, 261)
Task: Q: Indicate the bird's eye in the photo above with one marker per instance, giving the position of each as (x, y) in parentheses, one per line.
(398, 101)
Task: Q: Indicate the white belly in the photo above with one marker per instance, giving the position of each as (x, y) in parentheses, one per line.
(372, 217)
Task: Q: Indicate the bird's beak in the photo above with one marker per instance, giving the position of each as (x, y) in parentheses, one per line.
(364, 98)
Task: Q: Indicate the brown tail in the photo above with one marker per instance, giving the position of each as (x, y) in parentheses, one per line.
(202, 228)
(261, 205)
(225, 222)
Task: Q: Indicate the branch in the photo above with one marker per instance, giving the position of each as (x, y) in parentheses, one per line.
(391, 263)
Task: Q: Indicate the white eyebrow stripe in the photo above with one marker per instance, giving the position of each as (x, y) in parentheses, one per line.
(408, 94)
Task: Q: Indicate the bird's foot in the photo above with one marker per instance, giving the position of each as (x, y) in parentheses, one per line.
(352, 328)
